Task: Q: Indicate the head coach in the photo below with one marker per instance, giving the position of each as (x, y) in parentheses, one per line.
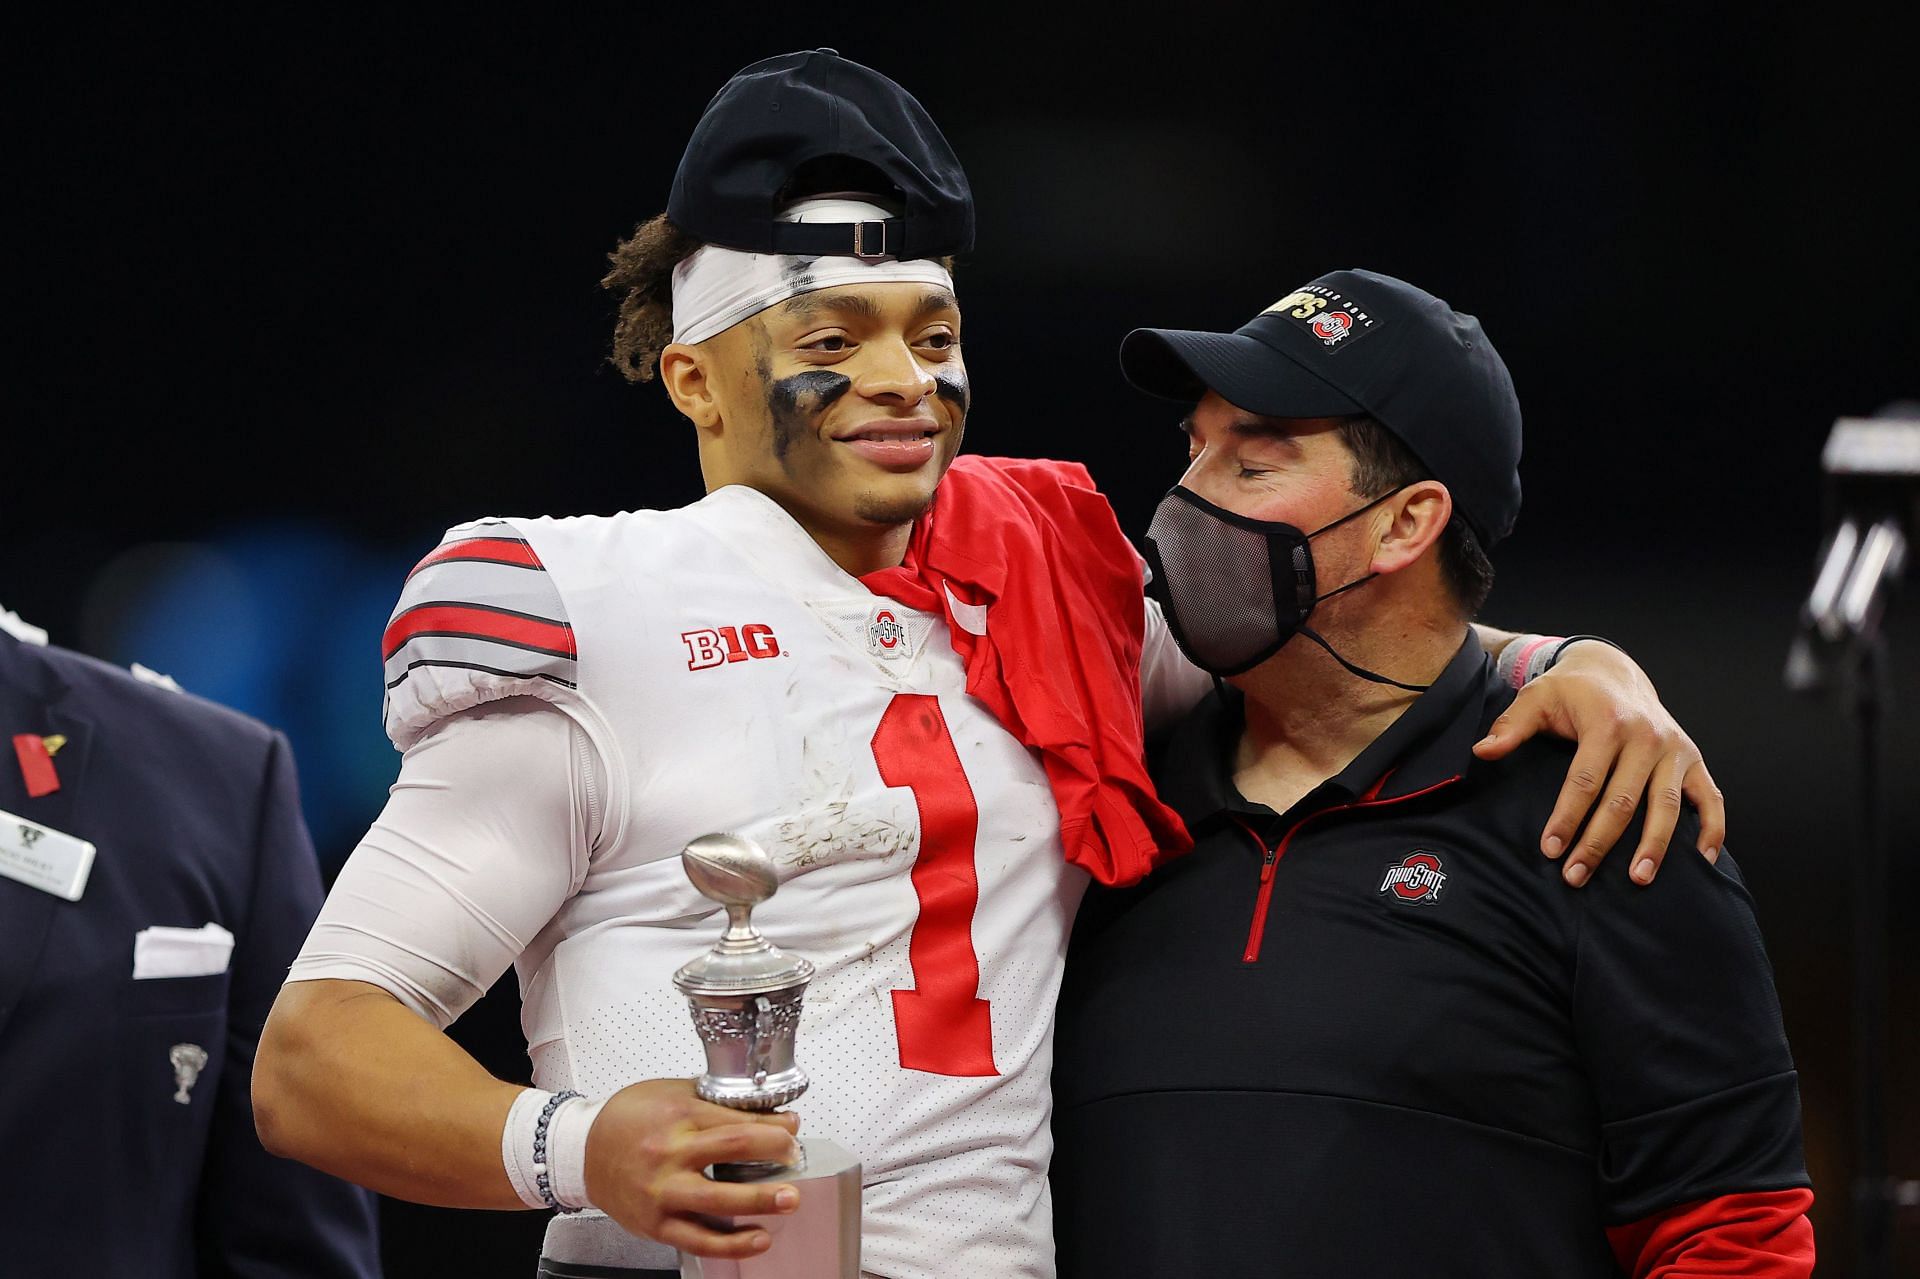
(1362, 1029)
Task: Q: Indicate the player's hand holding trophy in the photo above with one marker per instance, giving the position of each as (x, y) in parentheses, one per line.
(745, 998)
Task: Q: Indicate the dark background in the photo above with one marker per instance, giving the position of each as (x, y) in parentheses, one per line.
(291, 296)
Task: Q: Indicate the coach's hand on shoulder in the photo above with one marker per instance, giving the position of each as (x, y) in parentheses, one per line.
(645, 1159)
(1630, 749)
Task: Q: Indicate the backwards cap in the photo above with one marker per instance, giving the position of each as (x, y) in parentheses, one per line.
(777, 115)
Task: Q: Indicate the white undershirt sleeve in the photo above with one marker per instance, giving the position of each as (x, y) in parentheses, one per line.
(1170, 685)
(486, 833)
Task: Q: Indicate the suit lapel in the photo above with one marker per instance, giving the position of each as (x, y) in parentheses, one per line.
(32, 700)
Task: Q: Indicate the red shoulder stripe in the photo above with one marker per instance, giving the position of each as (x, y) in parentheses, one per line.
(479, 622)
(491, 550)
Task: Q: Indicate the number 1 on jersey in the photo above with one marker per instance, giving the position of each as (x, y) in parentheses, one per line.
(945, 1028)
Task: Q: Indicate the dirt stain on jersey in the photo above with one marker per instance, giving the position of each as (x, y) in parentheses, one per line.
(830, 829)
(827, 826)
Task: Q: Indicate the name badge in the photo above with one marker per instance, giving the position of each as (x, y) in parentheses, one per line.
(44, 858)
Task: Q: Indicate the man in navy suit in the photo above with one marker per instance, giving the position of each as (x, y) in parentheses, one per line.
(156, 880)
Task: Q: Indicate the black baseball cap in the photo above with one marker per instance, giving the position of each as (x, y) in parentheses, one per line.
(779, 114)
(1360, 342)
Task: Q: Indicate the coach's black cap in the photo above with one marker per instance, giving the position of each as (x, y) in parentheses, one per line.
(777, 115)
(1359, 342)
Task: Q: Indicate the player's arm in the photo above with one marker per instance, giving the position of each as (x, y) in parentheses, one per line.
(1170, 685)
(482, 840)
(1631, 747)
(364, 1089)
(1680, 1032)
(346, 1076)
(1631, 751)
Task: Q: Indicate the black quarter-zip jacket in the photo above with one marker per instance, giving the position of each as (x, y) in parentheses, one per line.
(1376, 1035)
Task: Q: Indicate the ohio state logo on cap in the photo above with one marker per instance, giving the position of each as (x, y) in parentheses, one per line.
(1416, 879)
(1334, 319)
(1331, 328)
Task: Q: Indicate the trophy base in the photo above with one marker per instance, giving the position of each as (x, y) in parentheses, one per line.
(818, 1240)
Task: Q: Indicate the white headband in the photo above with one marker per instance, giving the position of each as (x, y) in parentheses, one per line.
(715, 288)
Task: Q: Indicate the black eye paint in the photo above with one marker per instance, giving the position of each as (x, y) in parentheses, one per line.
(953, 387)
(793, 402)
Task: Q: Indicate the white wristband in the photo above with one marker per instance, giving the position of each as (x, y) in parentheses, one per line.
(566, 1148)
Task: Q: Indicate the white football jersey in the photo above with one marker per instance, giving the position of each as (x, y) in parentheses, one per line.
(732, 677)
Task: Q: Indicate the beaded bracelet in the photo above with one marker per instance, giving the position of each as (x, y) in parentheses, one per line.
(542, 1175)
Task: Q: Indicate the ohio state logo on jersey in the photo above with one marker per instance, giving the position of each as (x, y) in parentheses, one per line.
(725, 644)
(1417, 879)
(885, 636)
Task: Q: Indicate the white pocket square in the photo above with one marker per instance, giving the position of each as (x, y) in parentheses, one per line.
(181, 952)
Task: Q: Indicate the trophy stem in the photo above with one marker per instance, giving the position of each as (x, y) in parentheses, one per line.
(741, 936)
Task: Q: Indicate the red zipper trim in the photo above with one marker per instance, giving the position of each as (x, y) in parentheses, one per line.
(1270, 857)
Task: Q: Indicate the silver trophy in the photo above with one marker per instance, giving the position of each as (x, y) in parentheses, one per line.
(745, 998)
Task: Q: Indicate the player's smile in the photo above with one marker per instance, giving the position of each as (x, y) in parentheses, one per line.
(897, 444)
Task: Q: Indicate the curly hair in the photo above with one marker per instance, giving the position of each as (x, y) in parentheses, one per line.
(642, 275)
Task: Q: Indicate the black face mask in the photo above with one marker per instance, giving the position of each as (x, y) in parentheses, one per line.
(1236, 589)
